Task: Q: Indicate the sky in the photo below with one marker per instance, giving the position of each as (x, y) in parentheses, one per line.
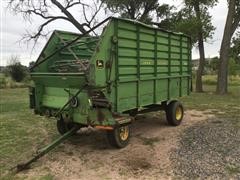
(13, 27)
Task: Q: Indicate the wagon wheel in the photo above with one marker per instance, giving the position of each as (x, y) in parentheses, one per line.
(119, 136)
(174, 113)
(63, 126)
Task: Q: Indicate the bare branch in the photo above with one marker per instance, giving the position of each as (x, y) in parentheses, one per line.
(41, 14)
(70, 16)
(71, 3)
(84, 14)
(40, 33)
(45, 8)
(235, 24)
(97, 9)
(90, 22)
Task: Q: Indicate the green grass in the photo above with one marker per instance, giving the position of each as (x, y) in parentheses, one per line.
(228, 104)
(224, 105)
(212, 79)
(233, 169)
(7, 82)
(22, 132)
(47, 177)
(149, 141)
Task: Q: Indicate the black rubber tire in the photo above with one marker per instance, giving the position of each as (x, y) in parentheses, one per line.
(171, 111)
(63, 127)
(114, 138)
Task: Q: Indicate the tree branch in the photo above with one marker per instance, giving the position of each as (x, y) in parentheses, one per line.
(70, 4)
(40, 29)
(96, 10)
(34, 11)
(69, 15)
(235, 24)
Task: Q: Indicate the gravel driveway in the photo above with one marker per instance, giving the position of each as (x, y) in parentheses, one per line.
(209, 150)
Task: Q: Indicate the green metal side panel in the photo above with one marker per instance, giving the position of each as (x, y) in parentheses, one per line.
(98, 75)
(152, 65)
(54, 97)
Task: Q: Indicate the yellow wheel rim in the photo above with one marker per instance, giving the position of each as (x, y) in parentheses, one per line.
(124, 133)
(179, 113)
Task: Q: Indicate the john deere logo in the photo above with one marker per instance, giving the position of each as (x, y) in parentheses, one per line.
(100, 64)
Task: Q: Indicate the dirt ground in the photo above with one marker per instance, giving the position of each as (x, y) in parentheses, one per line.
(88, 155)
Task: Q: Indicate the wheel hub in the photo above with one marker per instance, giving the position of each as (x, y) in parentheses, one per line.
(124, 133)
(179, 113)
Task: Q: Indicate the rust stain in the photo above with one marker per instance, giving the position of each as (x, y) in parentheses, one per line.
(104, 127)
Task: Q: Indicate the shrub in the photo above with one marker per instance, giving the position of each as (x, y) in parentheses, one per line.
(16, 70)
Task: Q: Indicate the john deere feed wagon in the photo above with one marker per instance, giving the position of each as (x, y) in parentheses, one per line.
(103, 81)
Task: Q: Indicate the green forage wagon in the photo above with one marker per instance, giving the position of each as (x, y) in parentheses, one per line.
(104, 81)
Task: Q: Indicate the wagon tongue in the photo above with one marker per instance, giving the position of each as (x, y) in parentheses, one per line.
(45, 150)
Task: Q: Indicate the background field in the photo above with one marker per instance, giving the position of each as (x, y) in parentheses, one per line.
(7, 82)
(22, 132)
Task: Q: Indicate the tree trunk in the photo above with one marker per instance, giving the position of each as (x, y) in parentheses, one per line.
(222, 81)
(199, 86)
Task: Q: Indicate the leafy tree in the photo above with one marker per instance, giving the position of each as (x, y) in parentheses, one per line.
(235, 48)
(188, 24)
(186, 21)
(214, 63)
(232, 23)
(233, 67)
(195, 20)
(141, 10)
(166, 16)
(31, 64)
(234, 61)
(15, 69)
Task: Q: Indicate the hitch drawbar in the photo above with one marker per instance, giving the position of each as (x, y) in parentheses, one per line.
(45, 150)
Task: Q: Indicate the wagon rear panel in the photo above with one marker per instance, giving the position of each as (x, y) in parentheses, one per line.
(58, 78)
